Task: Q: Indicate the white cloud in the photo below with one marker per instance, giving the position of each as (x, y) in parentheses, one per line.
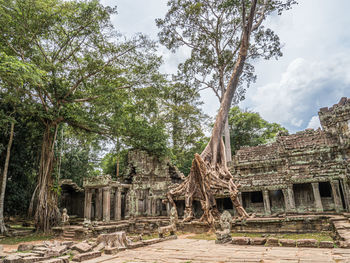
(314, 123)
(303, 88)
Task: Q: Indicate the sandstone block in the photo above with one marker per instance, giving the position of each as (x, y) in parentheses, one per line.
(307, 243)
(257, 241)
(326, 244)
(272, 242)
(82, 247)
(65, 259)
(25, 247)
(240, 240)
(86, 256)
(68, 244)
(32, 259)
(287, 242)
(13, 259)
(136, 245)
(111, 250)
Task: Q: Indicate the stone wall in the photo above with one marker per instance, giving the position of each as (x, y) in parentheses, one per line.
(310, 168)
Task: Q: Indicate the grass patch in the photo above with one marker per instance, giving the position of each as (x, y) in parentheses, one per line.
(246, 235)
(148, 237)
(16, 240)
(322, 236)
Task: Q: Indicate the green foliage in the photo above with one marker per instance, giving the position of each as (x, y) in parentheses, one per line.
(249, 129)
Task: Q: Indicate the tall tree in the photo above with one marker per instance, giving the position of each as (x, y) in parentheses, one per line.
(86, 63)
(249, 129)
(213, 33)
(209, 172)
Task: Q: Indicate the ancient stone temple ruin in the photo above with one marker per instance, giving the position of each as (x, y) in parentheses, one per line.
(304, 172)
(139, 194)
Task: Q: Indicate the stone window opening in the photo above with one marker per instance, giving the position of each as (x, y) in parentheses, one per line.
(256, 197)
(325, 189)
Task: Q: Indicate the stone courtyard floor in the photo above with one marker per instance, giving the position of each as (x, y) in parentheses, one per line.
(193, 251)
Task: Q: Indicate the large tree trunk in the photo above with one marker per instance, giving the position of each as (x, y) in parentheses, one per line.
(209, 171)
(227, 142)
(4, 180)
(47, 213)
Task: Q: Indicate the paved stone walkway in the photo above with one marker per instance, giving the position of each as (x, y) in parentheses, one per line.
(201, 251)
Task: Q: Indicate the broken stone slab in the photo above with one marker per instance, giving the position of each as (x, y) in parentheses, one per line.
(307, 243)
(59, 249)
(68, 244)
(344, 244)
(116, 239)
(326, 244)
(152, 241)
(240, 240)
(86, 256)
(287, 242)
(272, 242)
(136, 245)
(33, 259)
(13, 259)
(258, 241)
(99, 247)
(111, 250)
(25, 247)
(82, 247)
(65, 259)
(52, 260)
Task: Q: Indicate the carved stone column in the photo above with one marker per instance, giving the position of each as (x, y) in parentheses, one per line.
(286, 200)
(87, 204)
(336, 195)
(291, 198)
(266, 198)
(98, 204)
(346, 192)
(106, 204)
(317, 197)
(149, 206)
(118, 204)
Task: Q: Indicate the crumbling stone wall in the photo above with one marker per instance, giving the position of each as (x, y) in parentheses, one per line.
(301, 166)
(150, 178)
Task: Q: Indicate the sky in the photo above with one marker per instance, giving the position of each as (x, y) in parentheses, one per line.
(314, 71)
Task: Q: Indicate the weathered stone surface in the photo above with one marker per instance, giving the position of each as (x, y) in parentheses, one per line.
(25, 247)
(53, 260)
(99, 247)
(307, 243)
(32, 259)
(68, 244)
(86, 256)
(240, 240)
(326, 244)
(65, 259)
(272, 242)
(82, 247)
(111, 250)
(257, 241)
(13, 259)
(116, 239)
(136, 245)
(224, 236)
(287, 242)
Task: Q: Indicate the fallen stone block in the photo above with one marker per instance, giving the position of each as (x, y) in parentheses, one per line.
(59, 249)
(136, 245)
(257, 241)
(151, 241)
(99, 247)
(111, 250)
(326, 244)
(287, 242)
(344, 244)
(13, 259)
(65, 259)
(172, 237)
(272, 242)
(68, 244)
(25, 247)
(240, 240)
(53, 260)
(86, 256)
(82, 247)
(32, 259)
(307, 243)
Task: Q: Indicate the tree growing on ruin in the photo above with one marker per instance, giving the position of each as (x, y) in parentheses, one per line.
(87, 66)
(212, 31)
(209, 172)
